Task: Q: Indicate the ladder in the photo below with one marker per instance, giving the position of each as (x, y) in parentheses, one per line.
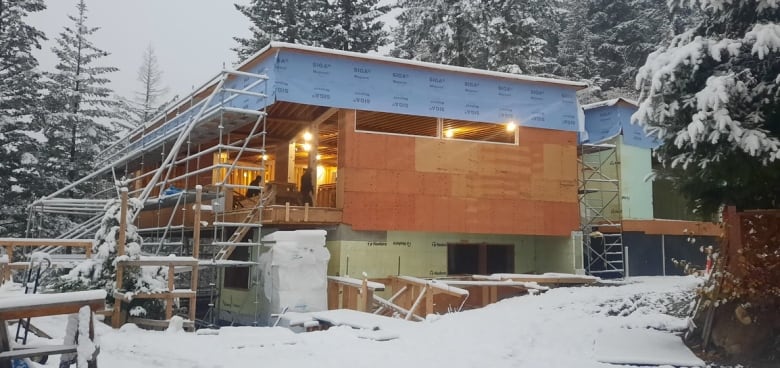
(38, 266)
(601, 212)
(250, 221)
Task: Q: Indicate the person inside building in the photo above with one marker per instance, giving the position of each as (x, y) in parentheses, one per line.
(306, 187)
(255, 191)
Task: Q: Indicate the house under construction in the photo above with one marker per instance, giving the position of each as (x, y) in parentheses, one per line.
(415, 169)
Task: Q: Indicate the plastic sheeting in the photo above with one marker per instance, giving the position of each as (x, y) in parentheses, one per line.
(294, 271)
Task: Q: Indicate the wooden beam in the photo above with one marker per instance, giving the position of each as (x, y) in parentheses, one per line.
(169, 300)
(50, 309)
(122, 223)
(161, 262)
(31, 242)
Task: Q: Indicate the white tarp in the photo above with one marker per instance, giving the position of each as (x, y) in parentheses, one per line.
(294, 271)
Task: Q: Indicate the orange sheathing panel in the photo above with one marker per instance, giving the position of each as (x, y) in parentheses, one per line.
(360, 180)
(561, 218)
(423, 211)
(436, 184)
(432, 155)
(569, 162)
(462, 186)
(408, 182)
(673, 227)
(400, 153)
(372, 149)
(456, 208)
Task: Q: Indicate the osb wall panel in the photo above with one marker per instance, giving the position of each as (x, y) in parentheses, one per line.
(389, 182)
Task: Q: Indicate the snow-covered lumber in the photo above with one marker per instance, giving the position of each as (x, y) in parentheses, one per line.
(439, 286)
(357, 282)
(16, 305)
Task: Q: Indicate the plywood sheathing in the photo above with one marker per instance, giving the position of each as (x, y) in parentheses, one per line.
(673, 227)
(390, 182)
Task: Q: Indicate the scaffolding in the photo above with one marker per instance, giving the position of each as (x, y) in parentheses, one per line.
(219, 129)
(600, 210)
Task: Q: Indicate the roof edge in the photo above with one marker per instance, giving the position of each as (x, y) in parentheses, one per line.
(425, 64)
(612, 102)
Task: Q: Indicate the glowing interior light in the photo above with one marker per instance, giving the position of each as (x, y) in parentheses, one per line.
(265, 157)
(307, 136)
(511, 126)
(320, 172)
(319, 157)
(246, 174)
(449, 133)
(307, 147)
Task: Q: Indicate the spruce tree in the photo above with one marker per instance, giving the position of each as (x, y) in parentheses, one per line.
(20, 139)
(276, 20)
(712, 95)
(439, 31)
(350, 25)
(517, 36)
(79, 102)
(606, 41)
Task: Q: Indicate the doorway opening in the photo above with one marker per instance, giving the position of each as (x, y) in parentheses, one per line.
(480, 259)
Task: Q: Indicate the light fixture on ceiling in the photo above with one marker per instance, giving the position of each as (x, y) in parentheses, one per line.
(307, 147)
(306, 136)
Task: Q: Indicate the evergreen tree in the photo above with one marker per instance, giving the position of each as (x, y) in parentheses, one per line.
(276, 20)
(99, 272)
(516, 36)
(712, 95)
(350, 25)
(79, 102)
(336, 24)
(606, 41)
(19, 138)
(147, 101)
(439, 31)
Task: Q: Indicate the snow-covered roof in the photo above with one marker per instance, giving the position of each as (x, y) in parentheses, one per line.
(423, 64)
(611, 102)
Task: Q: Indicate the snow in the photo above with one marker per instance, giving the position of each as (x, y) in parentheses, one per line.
(557, 329)
(644, 347)
(607, 103)
(86, 347)
(40, 299)
(37, 136)
(360, 320)
(766, 37)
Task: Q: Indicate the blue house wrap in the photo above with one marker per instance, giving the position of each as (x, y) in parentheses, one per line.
(605, 120)
(322, 77)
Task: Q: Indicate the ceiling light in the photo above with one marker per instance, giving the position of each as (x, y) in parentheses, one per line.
(307, 136)
(307, 147)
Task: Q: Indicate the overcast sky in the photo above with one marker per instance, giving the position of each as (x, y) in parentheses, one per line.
(192, 38)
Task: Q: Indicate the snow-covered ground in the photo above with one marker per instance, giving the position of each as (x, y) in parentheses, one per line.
(556, 329)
